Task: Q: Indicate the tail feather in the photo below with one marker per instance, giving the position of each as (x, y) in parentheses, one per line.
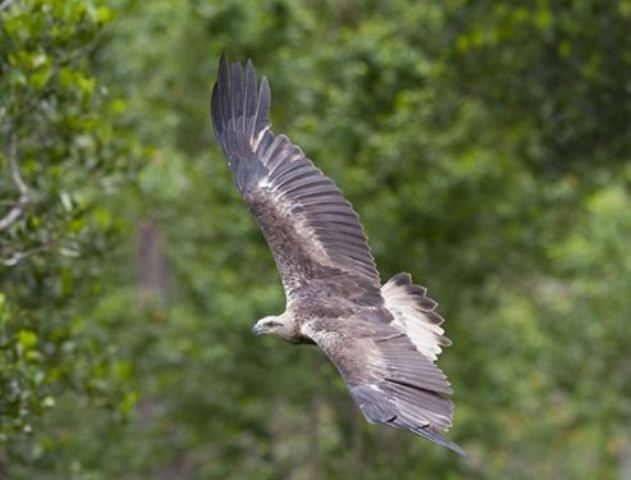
(415, 314)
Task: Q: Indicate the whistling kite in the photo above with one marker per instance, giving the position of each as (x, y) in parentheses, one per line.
(383, 339)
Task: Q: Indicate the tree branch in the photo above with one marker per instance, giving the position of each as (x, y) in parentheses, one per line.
(18, 208)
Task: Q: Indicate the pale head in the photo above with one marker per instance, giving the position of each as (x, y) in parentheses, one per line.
(283, 326)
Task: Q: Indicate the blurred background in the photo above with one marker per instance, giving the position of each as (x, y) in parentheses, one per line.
(486, 146)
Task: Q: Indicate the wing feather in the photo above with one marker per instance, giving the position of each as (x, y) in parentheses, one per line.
(386, 356)
(250, 100)
(312, 230)
(389, 379)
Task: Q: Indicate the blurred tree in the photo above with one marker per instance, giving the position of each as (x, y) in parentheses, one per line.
(485, 147)
(65, 151)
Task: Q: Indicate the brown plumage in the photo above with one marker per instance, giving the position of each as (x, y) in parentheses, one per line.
(384, 340)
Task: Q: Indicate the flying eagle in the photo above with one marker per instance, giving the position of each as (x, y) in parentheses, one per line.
(383, 339)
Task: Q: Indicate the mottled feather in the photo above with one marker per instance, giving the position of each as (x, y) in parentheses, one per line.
(312, 230)
(392, 383)
(383, 340)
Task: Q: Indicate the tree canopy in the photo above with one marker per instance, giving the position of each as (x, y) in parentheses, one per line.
(486, 147)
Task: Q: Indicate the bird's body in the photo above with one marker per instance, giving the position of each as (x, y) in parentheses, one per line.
(383, 339)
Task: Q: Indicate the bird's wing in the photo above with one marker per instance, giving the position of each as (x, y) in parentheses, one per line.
(390, 380)
(313, 232)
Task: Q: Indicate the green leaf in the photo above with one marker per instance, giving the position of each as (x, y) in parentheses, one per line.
(27, 339)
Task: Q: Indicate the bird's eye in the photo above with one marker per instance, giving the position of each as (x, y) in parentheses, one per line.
(272, 323)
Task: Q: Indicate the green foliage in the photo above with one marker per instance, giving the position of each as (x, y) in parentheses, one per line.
(484, 145)
(65, 152)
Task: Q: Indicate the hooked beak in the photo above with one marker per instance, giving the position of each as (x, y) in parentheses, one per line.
(256, 329)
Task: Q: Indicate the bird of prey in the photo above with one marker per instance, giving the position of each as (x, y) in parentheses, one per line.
(383, 339)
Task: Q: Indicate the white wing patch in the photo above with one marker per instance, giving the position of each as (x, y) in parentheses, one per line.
(416, 320)
(265, 183)
(256, 141)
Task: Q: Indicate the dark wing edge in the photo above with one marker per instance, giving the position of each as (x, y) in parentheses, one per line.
(283, 188)
(379, 410)
(391, 382)
(240, 116)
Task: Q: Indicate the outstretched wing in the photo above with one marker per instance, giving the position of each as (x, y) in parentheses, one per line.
(390, 380)
(313, 232)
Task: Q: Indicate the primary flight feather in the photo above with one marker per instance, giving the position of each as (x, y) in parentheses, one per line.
(383, 339)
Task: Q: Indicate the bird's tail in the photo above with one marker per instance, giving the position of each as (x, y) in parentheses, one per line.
(415, 314)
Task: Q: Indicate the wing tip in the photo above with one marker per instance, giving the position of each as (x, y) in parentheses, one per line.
(223, 58)
(431, 434)
(231, 113)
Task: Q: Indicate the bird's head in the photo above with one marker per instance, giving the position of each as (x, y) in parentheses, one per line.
(281, 326)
